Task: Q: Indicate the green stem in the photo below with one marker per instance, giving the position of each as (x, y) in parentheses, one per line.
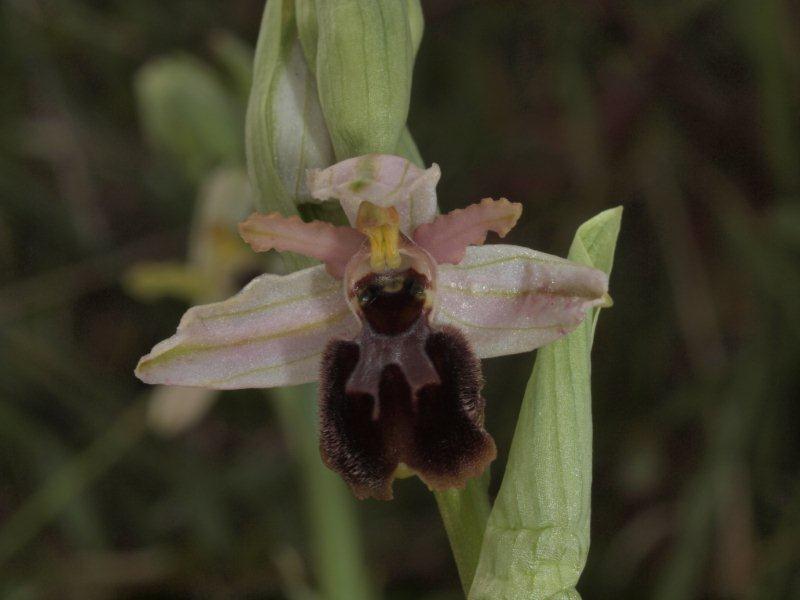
(464, 512)
(337, 546)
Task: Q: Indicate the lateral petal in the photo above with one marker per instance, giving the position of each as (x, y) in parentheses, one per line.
(447, 237)
(383, 179)
(510, 299)
(270, 334)
(334, 246)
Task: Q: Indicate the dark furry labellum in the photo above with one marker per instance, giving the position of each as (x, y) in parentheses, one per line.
(436, 431)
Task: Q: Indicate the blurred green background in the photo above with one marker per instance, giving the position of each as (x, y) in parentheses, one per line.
(116, 116)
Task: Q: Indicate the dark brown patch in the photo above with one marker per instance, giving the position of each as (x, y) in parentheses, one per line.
(351, 442)
(439, 434)
(450, 444)
(391, 311)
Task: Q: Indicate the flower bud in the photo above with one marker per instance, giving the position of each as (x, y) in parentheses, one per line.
(285, 131)
(416, 23)
(187, 114)
(309, 35)
(365, 56)
(306, 11)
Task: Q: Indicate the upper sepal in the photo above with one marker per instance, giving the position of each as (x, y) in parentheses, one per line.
(383, 179)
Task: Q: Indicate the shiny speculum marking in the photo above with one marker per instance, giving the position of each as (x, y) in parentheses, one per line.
(391, 301)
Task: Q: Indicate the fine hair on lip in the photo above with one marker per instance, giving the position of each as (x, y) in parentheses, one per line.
(371, 435)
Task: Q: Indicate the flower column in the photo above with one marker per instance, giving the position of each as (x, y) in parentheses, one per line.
(363, 52)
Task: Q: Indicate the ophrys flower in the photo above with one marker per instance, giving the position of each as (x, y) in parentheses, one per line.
(392, 324)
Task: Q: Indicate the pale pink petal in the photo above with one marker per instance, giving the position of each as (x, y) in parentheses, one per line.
(384, 180)
(330, 244)
(510, 299)
(448, 236)
(272, 333)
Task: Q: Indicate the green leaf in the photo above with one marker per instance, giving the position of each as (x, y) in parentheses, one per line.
(365, 56)
(285, 132)
(464, 514)
(187, 113)
(537, 537)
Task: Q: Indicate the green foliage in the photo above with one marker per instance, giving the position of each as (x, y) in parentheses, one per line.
(365, 57)
(187, 113)
(309, 33)
(537, 537)
(306, 12)
(465, 514)
(285, 133)
(696, 484)
(416, 23)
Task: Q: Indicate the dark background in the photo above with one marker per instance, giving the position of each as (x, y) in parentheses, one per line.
(685, 112)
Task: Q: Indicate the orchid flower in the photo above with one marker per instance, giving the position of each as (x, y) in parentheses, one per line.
(392, 324)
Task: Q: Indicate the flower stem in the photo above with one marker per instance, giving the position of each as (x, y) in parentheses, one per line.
(337, 550)
(464, 512)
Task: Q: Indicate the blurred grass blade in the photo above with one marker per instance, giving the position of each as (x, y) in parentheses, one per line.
(365, 56)
(537, 538)
(336, 546)
(60, 490)
(80, 522)
(149, 281)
